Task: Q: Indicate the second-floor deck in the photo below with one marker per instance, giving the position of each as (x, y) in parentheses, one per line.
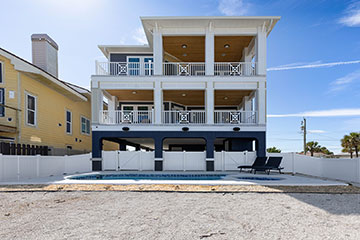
(175, 68)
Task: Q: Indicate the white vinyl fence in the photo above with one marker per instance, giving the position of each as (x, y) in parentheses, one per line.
(344, 169)
(126, 160)
(229, 161)
(27, 167)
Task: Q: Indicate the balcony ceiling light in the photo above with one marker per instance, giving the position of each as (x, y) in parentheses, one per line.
(184, 46)
(134, 92)
(184, 94)
(223, 55)
(226, 98)
(184, 54)
(226, 45)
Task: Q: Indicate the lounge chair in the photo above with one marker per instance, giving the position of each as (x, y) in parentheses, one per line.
(259, 161)
(273, 163)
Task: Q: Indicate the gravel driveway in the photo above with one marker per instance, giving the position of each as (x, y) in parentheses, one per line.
(159, 215)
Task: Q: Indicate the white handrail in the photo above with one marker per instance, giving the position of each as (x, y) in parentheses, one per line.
(183, 117)
(126, 117)
(184, 68)
(235, 117)
(125, 68)
(235, 68)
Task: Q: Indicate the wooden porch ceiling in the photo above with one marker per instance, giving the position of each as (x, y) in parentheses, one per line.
(230, 97)
(132, 95)
(185, 97)
(195, 48)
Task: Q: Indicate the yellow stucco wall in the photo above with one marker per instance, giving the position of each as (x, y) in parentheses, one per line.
(50, 129)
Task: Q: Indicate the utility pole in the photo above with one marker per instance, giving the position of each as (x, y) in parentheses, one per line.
(303, 128)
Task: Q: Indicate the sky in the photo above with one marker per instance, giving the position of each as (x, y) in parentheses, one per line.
(313, 52)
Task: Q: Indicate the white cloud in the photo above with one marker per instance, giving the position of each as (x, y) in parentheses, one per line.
(344, 82)
(311, 65)
(345, 112)
(316, 131)
(233, 7)
(352, 16)
(139, 36)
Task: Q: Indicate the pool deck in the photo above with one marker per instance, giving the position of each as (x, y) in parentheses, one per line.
(230, 179)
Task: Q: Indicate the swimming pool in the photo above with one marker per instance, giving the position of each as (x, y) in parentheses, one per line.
(171, 176)
(150, 176)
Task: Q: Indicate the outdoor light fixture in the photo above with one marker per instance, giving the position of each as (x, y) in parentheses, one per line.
(125, 129)
(236, 129)
(184, 54)
(134, 92)
(184, 46)
(226, 46)
(226, 98)
(185, 129)
(184, 94)
(223, 54)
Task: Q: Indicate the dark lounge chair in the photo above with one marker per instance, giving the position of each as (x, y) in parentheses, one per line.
(259, 161)
(273, 163)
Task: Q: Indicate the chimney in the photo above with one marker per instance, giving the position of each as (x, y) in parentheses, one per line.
(45, 53)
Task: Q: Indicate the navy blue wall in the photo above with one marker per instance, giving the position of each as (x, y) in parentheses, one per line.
(159, 136)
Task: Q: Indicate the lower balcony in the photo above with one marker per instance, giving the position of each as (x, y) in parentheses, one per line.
(174, 117)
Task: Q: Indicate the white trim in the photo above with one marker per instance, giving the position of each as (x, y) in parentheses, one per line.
(2, 74)
(86, 119)
(27, 94)
(66, 121)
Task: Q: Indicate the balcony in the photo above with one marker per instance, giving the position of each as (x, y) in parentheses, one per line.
(175, 68)
(174, 117)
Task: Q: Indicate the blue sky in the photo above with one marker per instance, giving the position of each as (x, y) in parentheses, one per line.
(309, 35)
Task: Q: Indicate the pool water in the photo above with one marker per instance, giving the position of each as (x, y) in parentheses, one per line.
(135, 176)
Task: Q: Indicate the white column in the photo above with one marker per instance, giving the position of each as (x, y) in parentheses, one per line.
(261, 52)
(246, 108)
(158, 102)
(158, 52)
(246, 57)
(209, 52)
(96, 104)
(261, 103)
(210, 103)
(112, 108)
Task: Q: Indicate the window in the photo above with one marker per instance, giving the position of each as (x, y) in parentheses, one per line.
(85, 125)
(30, 110)
(1, 71)
(2, 102)
(68, 122)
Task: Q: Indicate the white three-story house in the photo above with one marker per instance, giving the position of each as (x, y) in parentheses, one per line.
(199, 85)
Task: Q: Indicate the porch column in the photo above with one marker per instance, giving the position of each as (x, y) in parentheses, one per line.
(122, 146)
(210, 165)
(112, 108)
(209, 103)
(261, 51)
(158, 102)
(261, 103)
(158, 163)
(97, 146)
(246, 57)
(209, 51)
(246, 108)
(261, 145)
(158, 52)
(96, 104)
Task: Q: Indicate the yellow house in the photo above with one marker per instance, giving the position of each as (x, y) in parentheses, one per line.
(37, 108)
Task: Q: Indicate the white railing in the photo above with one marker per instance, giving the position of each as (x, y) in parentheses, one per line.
(184, 69)
(183, 117)
(235, 69)
(125, 68)
(235, 117)
(126, 117)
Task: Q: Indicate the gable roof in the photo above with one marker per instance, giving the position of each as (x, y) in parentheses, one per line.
(67, 89)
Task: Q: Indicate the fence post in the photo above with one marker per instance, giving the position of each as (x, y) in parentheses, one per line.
(223, 160)
(184, 160)
(1, 167)
(18, 168)
(293, 163)
(140, 161)
(37, 165)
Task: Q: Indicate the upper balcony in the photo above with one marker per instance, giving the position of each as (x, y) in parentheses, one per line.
(175, 68)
